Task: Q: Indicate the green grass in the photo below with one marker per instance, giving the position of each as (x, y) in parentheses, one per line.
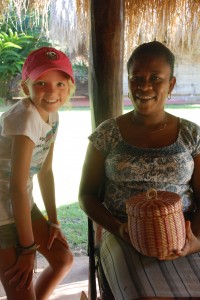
(3, 108)
(173, 106)
(182, 106)
(74, 226)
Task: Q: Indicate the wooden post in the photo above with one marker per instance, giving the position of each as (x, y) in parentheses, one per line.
(105, 78)
(106, 59)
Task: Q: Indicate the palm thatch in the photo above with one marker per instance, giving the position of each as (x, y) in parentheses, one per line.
(174, 22)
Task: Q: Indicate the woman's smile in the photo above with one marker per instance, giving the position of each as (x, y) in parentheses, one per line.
(142, 97)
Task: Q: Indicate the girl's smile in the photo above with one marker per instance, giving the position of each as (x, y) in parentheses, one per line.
(49, 92)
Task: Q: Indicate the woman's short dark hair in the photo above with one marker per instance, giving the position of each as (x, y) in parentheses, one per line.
(154, 48)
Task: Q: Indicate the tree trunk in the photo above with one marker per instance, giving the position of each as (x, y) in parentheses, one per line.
(106, 59)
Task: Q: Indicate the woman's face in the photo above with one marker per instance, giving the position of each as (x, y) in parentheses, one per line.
(150, 83)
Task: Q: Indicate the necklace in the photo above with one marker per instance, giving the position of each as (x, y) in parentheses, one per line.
(162, 127)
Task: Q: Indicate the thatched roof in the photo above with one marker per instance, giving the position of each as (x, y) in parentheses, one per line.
(174, 22)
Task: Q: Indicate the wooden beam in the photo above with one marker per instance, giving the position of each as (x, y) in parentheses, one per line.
(106, 59)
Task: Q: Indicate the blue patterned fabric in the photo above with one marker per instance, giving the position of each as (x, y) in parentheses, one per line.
(131, 170)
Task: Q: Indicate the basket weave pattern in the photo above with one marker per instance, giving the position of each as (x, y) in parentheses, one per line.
(156, 223)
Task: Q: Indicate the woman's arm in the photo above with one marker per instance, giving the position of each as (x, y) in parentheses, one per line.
(195, 224)
(192, 244)
(91, 182)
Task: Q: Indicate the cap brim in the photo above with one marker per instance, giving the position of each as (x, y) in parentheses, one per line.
(36, 73)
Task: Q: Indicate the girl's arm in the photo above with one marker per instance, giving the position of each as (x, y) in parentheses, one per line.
(22, 149)
(91, 182)
(47, 188)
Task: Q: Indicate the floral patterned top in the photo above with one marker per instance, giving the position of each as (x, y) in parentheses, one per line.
(131, 170)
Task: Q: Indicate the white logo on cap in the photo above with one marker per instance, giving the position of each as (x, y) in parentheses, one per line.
(52, 55)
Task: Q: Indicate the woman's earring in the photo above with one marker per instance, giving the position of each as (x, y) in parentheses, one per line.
(128, 95)
(169, 97)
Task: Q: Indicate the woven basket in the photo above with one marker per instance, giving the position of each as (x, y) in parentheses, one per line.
(156, 223)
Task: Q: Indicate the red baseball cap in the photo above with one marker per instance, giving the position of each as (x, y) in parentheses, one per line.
(45, 59)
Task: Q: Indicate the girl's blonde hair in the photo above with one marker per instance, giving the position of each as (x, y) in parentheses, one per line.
(72, 88)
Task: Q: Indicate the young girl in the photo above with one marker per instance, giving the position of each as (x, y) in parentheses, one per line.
(28, 131)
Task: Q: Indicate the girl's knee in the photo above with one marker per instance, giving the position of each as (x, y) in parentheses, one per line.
(65, 263)
(62, 261)
(70, 258)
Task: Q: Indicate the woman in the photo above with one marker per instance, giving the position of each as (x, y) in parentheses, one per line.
(145, 148)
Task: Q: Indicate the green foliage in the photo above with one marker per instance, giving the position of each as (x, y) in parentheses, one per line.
(2, 102)
(80, 68)
(26, 23)
(14, 47)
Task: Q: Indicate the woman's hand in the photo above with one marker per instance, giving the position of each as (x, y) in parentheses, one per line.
(123, 232)
(192, 244)
(21, 273)
(56, 233)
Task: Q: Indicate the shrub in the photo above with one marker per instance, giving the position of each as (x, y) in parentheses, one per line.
(14, 47)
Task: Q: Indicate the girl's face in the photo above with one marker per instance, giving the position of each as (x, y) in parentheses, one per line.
(150, 83)
(49, 92)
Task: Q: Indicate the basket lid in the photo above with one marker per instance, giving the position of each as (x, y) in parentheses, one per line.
(153, 203)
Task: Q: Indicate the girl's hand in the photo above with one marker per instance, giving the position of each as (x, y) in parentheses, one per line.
(56, 233)
(21, 273)
(192, 244)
